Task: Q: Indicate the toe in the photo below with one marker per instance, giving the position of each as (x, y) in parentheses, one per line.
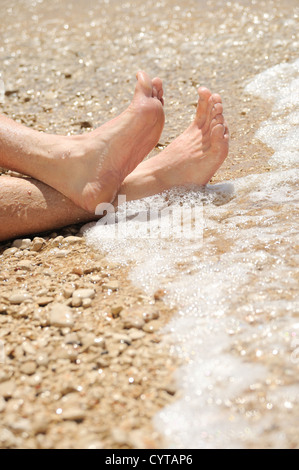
(158, 89)
(202, 106)
(217, 110)
(218, 136)
(209, 115)
(218, 119)
(144, 84)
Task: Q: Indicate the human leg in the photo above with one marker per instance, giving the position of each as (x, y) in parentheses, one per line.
(29, 206)
(88, 168)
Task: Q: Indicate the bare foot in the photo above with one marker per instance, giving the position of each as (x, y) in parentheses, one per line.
(90, 168)
(192, 158)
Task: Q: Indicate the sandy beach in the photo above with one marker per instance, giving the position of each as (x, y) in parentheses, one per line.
(82, 364)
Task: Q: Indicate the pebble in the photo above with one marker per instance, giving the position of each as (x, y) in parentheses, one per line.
(68, 292)
(18, 426)
(150, 314)
(22, 244)
(72, 338)
(10, 251)
(116, 309)
(112, 285)
(37, 244)
(152, 327)
(19, 297)
(40, 424)
(57, 240)
(44, 300)
(120, 436)
(72, 239)
(28, 348)
(73, 414)
(7, 439)
(60, 253)
(86, 303)
(84, 293)
(42, 359)
(81, 295)
(28, 368)
(61, 315)
(133, 322)
(136, 334)
(2, 404)
(4, 376)
(25, 264)
(7, 389)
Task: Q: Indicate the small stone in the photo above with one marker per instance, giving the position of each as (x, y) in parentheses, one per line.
(72, 239)
(152, 327)
(84, 293)
(78, 270)
(73, 414)
(22, 244)
(68, 292)
(71, 338)
(2, 404)
(133, 322)
(7, 438)
(42, 359)
(120, 337)
(25, 265)
(19, 297)
(7, 389)
(61, 315)
(136, 334)
(10, 251)
(37, 244)
(28, 368)
(150, 315)
(4, 276)
(57, 240)
(116, 309)
(86, 303)
(61, 253)
(40, 424)
(20, 425)
(28, 348)
(4, 376)
(3, 308)
(170, 388)
(86, 339)
(119, 436)
(76, 302)
(100, 342)
(112, 285)
(44, 300)
(159, 294)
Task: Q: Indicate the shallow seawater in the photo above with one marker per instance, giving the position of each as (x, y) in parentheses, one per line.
(236, 289)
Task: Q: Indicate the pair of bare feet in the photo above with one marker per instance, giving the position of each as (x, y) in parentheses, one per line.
(91, 168)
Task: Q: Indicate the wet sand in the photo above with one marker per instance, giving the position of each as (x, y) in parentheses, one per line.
(67, 68)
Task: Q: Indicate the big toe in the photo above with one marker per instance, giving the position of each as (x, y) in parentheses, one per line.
(202, 105)
(144, 84)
